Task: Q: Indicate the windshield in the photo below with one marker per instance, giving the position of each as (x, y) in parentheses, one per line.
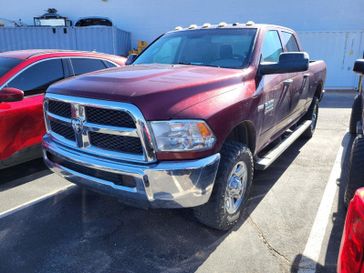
(7, 63)
(228, 48)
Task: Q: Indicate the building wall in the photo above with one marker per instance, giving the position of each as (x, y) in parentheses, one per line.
(146, 19)
(331, 29)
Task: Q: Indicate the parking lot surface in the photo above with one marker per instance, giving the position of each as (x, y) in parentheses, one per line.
(49, 225)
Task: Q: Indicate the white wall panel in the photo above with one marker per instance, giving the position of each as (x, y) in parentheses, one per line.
(339, 50)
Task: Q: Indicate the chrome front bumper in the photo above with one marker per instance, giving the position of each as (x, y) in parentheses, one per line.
(167, 184)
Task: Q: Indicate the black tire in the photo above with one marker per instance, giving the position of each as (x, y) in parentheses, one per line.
(214, 213)
(356, 169)
(312, 114)
(356, 114)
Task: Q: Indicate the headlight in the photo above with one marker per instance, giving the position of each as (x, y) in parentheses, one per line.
(182, 135)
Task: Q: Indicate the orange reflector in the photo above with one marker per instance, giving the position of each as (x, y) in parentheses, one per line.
(204, 130)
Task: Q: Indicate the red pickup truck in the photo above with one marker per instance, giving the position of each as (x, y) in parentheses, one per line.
(186, 122)
(24, 77)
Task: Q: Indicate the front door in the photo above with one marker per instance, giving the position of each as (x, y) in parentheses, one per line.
(300, 84)
(275, 89)
(21, 123)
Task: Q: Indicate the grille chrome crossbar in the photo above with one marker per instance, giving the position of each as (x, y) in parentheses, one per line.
(98, 128)
(109, 135)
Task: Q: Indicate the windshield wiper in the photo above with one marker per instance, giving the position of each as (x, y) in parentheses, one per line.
(197, 64)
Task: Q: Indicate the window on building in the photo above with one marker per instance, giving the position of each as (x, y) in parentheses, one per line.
(289, 42)
(84, 65)
(272, 47)
(37, 78)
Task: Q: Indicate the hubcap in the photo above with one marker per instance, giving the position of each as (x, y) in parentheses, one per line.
(236, 187)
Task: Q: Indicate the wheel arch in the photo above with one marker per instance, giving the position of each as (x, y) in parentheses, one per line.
(319, 90)
(244, 133)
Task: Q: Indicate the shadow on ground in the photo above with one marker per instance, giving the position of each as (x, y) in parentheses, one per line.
(341, 99)
(22, 173)
(337, 218)
(81, 231)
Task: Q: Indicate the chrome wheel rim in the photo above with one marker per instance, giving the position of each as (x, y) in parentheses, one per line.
(236, 187)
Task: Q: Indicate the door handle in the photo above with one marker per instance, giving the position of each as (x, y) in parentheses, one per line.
(287, 82)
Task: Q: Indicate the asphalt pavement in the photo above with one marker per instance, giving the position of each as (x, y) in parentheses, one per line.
(49, 225)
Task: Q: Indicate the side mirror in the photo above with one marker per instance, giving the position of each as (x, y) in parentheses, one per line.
(359, 66)
(288, 62)
(10, 94)
(131, 58)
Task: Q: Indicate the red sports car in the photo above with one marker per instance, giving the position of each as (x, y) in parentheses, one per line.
(351, 256)
(24, 77)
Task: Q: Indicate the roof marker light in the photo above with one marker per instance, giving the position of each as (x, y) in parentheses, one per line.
(222, 24)
(206, 25)
(236, 24)
(178, 28)
(193, 26)
(249, 23)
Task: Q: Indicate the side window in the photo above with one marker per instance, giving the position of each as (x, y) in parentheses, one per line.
(84, 65)
(272, 47)
(109, 64)
(289, 42)
(37, 78)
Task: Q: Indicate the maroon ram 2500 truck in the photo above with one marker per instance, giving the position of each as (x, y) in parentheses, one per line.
(188, 120)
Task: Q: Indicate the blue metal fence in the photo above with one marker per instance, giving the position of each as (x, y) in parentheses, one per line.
(99, 38)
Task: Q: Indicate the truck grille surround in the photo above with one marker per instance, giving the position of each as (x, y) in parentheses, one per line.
(99, 127)
(106, 146)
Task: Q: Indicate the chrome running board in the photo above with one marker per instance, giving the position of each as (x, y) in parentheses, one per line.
(272, 155)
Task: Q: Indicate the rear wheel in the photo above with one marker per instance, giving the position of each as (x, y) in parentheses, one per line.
(311, 115)
(356, 169)
(356, 113)
(231, 189)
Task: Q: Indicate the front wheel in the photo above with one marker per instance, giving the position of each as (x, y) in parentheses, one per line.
(231, 189)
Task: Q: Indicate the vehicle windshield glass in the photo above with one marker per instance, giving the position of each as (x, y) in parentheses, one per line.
(8, 63)
(227, 48)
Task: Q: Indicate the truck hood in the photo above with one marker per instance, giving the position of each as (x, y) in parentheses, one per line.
(152, 88)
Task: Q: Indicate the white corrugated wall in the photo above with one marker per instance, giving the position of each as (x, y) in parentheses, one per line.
(339, 49)
(102, 39)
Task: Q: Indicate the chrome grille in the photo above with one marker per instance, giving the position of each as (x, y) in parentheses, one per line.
(109, 117)
(122, 144)
(105, 128)
(60, 108)
(63, 130)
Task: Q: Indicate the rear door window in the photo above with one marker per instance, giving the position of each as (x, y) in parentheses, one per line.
(38, 77)
(272, 47)
(289, 42)
(85, 65)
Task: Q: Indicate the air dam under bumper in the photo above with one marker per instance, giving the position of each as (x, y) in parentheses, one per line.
(177, 184)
